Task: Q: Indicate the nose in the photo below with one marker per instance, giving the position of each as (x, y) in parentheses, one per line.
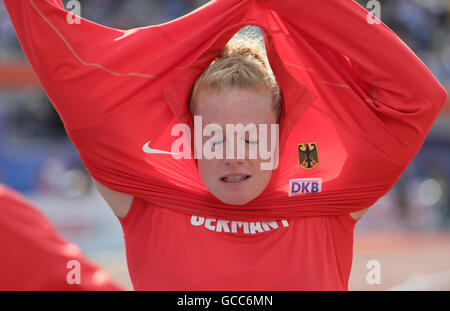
(233, 162)
(238, 153)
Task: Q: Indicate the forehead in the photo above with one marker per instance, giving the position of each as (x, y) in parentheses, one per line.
(235, 105)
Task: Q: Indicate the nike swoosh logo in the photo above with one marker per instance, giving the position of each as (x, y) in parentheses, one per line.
(147, 149)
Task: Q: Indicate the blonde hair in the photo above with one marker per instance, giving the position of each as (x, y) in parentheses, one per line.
(242, 63)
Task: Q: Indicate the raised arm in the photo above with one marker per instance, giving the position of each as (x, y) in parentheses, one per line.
(398, 87)
(89, 71)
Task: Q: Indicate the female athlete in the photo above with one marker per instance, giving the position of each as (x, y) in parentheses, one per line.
(353, 104)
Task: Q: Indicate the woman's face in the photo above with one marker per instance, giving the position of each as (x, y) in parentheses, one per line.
(235, 181)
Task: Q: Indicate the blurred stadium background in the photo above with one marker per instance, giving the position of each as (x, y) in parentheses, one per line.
(407, 231)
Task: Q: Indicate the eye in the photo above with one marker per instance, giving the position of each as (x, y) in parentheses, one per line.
(218, 142)
(251, 142)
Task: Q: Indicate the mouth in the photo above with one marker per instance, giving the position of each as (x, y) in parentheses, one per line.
(235, 179)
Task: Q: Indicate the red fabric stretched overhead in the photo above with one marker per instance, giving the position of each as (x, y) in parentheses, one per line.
(353, 88)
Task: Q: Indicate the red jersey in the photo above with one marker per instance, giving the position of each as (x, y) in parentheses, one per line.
(168, 250)
(35, 257)
(352, 90)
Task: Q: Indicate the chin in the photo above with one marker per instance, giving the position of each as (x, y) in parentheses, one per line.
(234, 199)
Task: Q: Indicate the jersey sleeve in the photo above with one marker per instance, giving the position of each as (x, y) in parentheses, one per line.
(91, 72)
(398, 98)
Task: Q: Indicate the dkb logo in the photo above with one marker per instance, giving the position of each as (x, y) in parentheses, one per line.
(304, 186)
